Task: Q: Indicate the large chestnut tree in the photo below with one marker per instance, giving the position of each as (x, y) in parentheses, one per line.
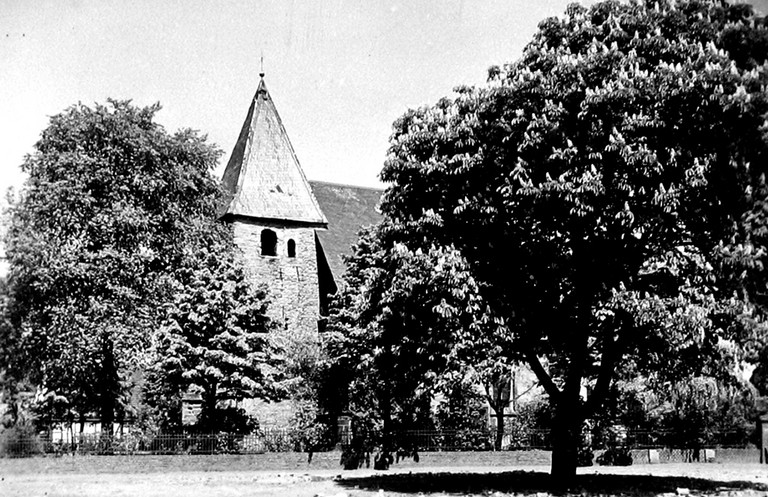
(598, 188)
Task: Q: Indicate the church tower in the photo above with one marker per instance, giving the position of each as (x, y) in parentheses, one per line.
(274, 215)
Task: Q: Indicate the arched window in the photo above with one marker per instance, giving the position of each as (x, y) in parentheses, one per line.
(291, 248)
(268, 242)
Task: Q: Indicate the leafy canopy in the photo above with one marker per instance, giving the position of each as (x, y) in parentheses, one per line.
(598, 189)
(102, 220)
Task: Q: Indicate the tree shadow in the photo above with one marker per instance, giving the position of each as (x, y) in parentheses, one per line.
(531, 482)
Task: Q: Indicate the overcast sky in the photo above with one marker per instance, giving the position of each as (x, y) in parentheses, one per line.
(340, 71)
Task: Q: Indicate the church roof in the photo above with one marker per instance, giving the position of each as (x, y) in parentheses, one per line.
(263, 177)
(348, 208)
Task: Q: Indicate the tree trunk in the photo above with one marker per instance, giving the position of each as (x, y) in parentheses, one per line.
(207, 420)
(384, 459)
(80, 435)
(499, 439)
(109, 386)
(107, 420)
(564, 454)
(513, 394)
(566, 439)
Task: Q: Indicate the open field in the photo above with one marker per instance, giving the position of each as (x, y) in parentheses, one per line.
(289, 474)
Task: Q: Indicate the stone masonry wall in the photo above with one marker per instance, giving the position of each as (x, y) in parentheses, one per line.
(292, 281)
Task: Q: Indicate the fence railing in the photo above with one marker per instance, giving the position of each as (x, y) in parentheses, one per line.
(283, 440)
(654, 439)
(434, 440)
(271, 440)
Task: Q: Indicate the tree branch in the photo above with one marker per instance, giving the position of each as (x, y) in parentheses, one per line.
(488, 396)
(518, 396)
(612, 351)
(544, 378)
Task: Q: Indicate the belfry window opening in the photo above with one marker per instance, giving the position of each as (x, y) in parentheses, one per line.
(268, 242)
(291, 248)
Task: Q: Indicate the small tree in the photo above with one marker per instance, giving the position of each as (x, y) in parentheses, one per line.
(499, 381)
(461, 410)
(392, 329)
(215, 335)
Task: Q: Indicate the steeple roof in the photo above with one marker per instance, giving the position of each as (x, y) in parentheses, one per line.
(263, 177)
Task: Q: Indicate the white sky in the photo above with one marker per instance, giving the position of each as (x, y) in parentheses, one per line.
(340, 71)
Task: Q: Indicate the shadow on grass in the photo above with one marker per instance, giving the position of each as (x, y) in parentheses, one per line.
(530, 483)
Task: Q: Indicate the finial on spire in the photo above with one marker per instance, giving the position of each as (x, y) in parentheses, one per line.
(261, 73)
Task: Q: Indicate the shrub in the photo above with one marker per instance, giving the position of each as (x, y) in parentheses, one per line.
(20, 441)
(308, 431)
(357, 452)
(584, 456)
(277, 440)
(615, 456)
(232, 420)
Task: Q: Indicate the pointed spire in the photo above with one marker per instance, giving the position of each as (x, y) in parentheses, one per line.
(263, 177)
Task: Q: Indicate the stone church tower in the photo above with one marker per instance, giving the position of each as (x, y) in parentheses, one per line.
(274, 215)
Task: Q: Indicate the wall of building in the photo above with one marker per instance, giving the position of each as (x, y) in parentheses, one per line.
(292, 281)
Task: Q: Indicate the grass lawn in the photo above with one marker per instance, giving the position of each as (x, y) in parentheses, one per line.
(289, 475)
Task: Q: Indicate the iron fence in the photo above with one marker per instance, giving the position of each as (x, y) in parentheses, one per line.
(455, 440)
(272, 440)
(670, 446)
(647, 439)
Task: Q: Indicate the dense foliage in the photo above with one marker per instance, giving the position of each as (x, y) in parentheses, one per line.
(111, 225)
(395, 320)
(605, 192)
(686, 413)
(213, 340)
